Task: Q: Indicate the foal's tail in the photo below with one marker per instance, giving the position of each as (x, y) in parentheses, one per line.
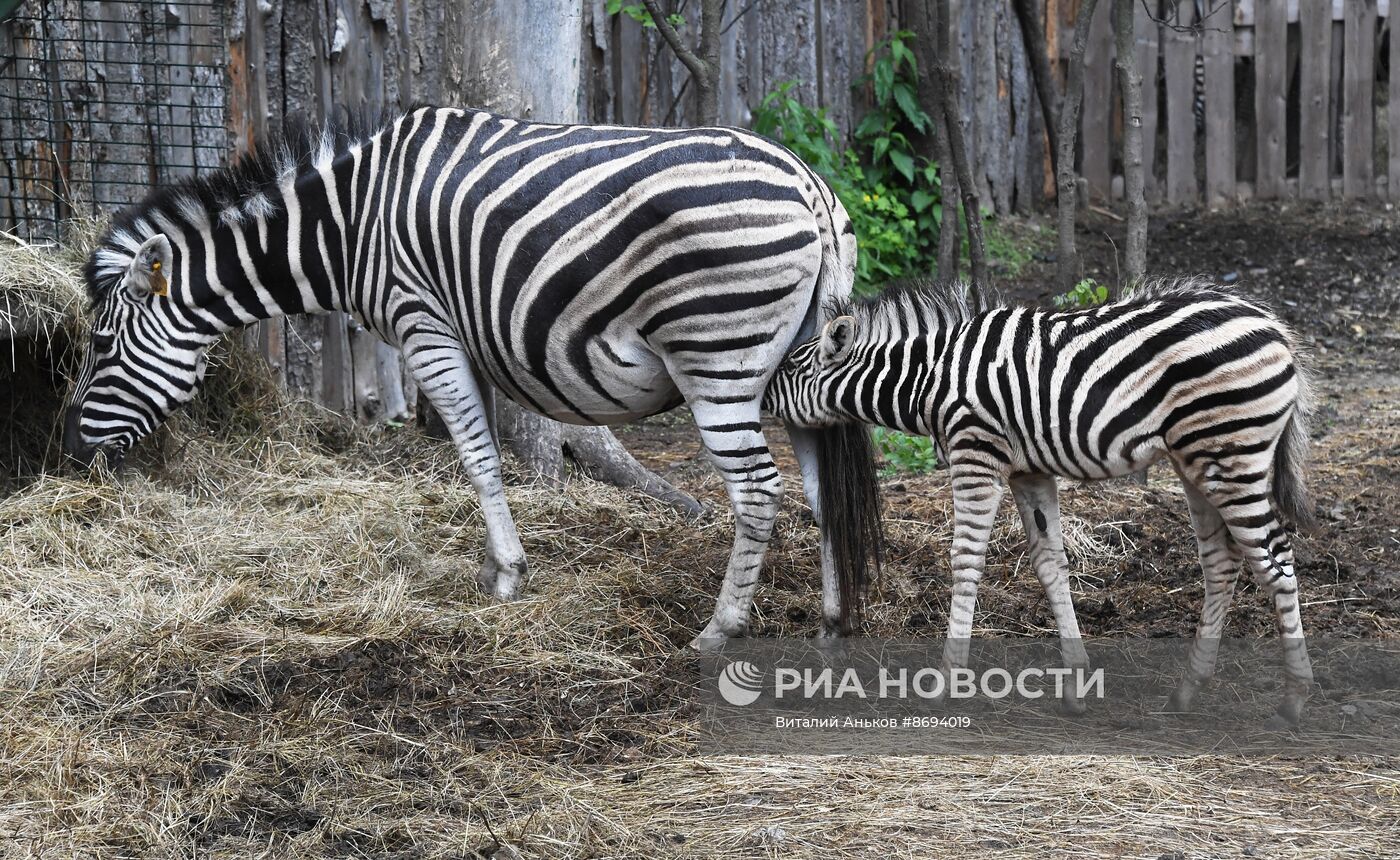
(1291, 496)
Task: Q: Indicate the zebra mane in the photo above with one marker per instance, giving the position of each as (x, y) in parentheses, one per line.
(914, 305)
(923, 305)
(229, 195)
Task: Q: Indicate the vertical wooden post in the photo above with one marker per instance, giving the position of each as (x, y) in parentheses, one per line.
(1148, 51)
(1394, 110)
(1179, 57)
(1270, 97)
(1096, 129)
(1358, 108)
(1314, 93)
(1218, 52)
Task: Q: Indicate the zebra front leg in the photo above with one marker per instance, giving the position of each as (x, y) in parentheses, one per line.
(804, 446)
(734, 439)
(1038, 500)
(444, 374)
(1220, 567)
(977, 494)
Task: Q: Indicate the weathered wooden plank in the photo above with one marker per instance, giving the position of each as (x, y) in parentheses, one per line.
(1393, 111)
(1270, 98)
(1314, 84)
(1358, 107)
(1096, 123)
(1148, 36)
(1179, 59)
(1218, 56)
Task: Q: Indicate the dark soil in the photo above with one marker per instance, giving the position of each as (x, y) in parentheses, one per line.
(1332, 272)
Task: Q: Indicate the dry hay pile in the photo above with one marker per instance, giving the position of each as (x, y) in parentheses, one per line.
(264, 640)
(41, 308)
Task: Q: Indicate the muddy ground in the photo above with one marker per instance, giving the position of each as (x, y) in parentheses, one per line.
(1334, 273)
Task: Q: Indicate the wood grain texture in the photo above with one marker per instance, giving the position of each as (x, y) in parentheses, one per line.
(1179, 60)
(1217, 51)
(1314, 95)
(1393, 109)
(1149, 47)
(1096, 129)
(1270, 98)
(1358, 94)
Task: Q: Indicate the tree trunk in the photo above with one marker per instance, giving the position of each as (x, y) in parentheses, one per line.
(946, 72)
(923, 19)
(525, 60)
(1028, 13)
(703, 63)
(1068, 269)
(1134, 182)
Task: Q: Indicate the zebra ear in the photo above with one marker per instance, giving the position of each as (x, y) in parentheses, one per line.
(838, 336)
(148, 273)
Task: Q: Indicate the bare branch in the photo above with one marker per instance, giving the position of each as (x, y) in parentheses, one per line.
(683, 53)
(1068, 264)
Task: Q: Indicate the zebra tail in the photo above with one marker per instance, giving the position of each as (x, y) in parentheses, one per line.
(851, 512)
(1290, 491)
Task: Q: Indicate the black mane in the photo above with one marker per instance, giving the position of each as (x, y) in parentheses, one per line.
(225, 192)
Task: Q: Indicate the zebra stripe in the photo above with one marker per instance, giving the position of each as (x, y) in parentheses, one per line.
(592, 274)
(1015, 397)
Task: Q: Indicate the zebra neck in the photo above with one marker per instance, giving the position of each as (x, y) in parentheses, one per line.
(902, 395)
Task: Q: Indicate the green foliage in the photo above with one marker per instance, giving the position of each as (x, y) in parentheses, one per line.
(905, 453)
(889, 190)
(1086, 294)
(637, 12)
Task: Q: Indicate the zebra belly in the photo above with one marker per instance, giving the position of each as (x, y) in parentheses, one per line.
(634, 383)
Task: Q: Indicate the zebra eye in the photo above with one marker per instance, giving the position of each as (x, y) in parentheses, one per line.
(102, 341)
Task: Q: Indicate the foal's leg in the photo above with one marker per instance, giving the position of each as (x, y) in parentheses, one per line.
(1038, 501)
(443, 372)
(734, 439)
(977, 493)
(804, 445)
(1220, 566)
(1238, 488)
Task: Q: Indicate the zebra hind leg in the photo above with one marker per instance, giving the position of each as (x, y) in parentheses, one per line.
(1238, 488)
(804, 446)
(444, 373)
(734, 439)
(1220, 567)
(1038, 501)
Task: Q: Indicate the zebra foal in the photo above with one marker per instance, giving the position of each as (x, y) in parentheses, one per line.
(592, 274)
(1016, 397)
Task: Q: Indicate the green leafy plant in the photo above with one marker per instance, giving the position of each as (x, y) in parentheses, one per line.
(903, 453)
(637, 12)
(1087, 293)
(889, 190)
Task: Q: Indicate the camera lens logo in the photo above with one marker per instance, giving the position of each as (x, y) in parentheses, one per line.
(741, 683)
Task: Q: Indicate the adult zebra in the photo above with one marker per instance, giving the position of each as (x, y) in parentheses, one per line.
(592, 274)
(1017, 396)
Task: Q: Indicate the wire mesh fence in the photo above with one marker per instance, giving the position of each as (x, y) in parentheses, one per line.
(102, 100)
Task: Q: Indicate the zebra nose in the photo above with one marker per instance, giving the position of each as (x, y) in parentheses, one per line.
(73, 444)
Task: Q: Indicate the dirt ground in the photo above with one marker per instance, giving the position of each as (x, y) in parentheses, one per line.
(1333, 272)
(266, 642)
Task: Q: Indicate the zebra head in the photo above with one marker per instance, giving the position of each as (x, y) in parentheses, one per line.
(806, 387)
(144, 358)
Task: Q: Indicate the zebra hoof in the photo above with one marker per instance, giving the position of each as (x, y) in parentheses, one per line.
(1179, 702)
(500, 581)
(713, 637)
(1073, 706)
(830, 629)
(1286, 718)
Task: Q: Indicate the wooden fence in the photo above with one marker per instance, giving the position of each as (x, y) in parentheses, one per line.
(1250, 99)
(100, 99)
